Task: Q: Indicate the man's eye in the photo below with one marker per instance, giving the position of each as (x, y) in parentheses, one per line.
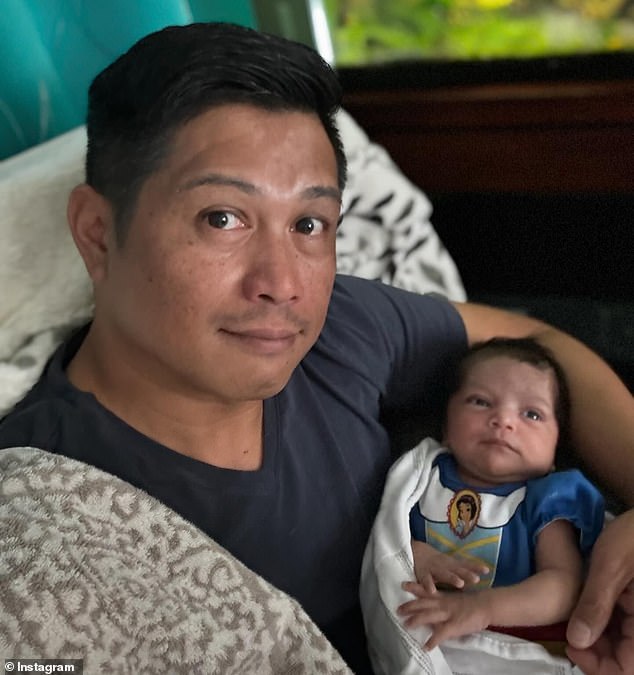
(309, 226)
(533, 415)
(222, 220)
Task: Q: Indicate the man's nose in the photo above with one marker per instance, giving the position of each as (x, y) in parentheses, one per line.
(274, 268)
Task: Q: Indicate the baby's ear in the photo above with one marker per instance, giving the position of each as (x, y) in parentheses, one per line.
(443, 431)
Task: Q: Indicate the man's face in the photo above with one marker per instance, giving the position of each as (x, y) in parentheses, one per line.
(224, 278)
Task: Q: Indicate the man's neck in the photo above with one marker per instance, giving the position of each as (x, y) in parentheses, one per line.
(223, 435)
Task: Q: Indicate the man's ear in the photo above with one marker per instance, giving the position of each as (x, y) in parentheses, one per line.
(91, 223)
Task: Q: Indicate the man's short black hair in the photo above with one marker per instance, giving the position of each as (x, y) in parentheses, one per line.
(138, 103)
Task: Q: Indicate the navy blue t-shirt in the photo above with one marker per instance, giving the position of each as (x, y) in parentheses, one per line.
(302, 520)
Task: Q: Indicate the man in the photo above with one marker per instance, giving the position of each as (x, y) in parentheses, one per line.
(226, 371)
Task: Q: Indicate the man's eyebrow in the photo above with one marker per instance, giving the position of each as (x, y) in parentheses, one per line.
(317, 191)
(219, 179)
(312, 192)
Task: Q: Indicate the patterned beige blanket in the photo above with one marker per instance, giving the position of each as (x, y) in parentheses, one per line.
(92, 568)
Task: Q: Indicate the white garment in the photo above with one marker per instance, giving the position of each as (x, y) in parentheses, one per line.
(388, 561)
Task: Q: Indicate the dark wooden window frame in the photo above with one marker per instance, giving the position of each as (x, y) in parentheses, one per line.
(532, 127)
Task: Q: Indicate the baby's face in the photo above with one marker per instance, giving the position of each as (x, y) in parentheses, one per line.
(501, 423)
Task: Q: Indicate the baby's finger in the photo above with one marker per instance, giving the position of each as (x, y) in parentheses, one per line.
(427, 582)
(450, 577)
(477, 568)
(469, 577)
(436, 638)
(415, 588)
(428, 603)
(426, 617)
(414, 606)
(445, 629)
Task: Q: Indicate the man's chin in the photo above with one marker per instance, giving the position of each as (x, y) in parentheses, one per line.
(265, 388)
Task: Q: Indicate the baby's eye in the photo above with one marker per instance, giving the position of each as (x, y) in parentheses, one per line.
(309, 226)
(478, 401)
(223, 220)
(533, 415)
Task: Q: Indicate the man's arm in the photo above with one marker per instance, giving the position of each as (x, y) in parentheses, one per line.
(601, 629)
(602, 414)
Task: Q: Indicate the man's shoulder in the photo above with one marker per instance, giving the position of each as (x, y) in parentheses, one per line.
(356, 300)
(33, 422)
(364, 289)
(35, 418)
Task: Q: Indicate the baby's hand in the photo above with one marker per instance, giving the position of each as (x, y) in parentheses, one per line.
(433, 568)
(449, 614)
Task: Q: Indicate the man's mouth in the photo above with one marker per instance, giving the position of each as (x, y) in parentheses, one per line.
(265, 341)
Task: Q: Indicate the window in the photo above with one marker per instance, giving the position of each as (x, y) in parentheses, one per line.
(379, 31)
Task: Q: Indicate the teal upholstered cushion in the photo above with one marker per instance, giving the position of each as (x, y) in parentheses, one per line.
(50, 51)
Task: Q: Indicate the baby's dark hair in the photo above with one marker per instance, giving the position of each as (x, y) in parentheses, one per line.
(138, 103)
(524, 350)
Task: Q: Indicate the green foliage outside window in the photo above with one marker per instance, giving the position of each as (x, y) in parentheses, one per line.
(376, 31)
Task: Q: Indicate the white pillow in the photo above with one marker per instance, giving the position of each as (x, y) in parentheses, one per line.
(43, 280)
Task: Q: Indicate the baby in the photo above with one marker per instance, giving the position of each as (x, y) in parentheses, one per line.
(498, 538)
